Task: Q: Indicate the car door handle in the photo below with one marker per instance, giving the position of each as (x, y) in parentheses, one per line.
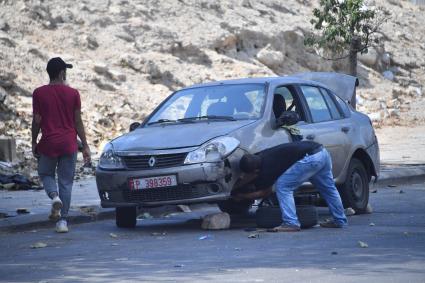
(345, 129)
(310, 137)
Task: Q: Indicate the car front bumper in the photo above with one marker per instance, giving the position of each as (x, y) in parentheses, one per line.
(203, 182)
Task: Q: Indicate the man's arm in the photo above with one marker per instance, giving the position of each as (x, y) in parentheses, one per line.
(82, 135)
(35, 130)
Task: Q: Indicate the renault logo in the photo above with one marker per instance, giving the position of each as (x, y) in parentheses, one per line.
(152, 161)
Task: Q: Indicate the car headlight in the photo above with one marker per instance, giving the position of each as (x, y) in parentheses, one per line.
(213, 151)
(108, 159)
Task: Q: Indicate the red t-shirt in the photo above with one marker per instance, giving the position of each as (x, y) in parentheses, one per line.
(56, 104)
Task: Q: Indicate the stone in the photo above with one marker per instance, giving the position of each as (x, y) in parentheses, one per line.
(388, 75)
(3, 95)
(394, 112)
(375, 116)
(369, 210)
(92, 42)
(8, 149)
(370, 58)
(217, 221)
(270, 58)
(349, 211)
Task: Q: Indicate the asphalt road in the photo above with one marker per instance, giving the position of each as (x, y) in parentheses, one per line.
(174, 249)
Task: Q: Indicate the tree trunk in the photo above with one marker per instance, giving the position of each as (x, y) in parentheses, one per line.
(354, 49)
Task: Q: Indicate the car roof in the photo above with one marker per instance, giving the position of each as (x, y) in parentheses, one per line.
(259, 80)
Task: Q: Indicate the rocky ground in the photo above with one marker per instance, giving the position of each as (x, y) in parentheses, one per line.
(129, 55)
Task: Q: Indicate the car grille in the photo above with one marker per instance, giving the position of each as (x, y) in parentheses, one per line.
(161, 161)
(166, 194)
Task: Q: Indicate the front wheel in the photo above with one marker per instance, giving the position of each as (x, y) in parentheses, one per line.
(355, 191)
(125, 217)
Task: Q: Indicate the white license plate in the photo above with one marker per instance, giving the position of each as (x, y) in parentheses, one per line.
(153, 182)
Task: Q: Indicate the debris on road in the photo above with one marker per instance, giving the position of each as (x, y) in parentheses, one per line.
(38, 245)
(401, 192)
(374, 191)
(22, 211)
(216, 221)
(392, 186)
(112, 235)
(15, 182)
(254, 236)
(179, 265)
(158, 233)
(334, 253)
(371, 224)
(205, 237)
(363, 244)
(184, 208)
(349, 211)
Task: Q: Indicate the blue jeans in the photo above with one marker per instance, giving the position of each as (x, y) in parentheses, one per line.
(65, 167)
(317, 169)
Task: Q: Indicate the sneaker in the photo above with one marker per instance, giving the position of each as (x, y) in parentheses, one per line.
(285, 228)
(55, 212)
(330, 224)
(62, 226)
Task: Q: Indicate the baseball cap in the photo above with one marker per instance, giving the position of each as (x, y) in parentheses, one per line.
(56, 64)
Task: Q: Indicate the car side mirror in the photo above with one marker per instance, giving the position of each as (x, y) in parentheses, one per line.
(288, 118)
(134, 126)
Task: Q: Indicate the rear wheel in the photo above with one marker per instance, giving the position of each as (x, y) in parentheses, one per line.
(125, 217)
(271, 216)
(235, 207)
(355, 191)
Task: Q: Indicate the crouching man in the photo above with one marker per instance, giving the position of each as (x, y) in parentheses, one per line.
(289, 166)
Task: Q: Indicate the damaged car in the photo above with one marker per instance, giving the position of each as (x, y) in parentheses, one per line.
(188, 149)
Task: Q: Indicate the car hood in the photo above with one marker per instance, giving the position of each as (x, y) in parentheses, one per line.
(175, 136)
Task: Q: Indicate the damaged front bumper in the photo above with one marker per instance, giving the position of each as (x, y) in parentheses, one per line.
(196, 183)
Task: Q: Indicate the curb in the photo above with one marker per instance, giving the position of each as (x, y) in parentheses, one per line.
(27, 222)
(396, 174)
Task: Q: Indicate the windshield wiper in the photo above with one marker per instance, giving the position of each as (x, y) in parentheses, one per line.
(160, 121)
(208, 117)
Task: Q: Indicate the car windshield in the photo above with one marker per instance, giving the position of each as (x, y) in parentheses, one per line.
(212, 103)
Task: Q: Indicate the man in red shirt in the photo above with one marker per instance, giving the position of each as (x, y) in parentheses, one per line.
(57, 113)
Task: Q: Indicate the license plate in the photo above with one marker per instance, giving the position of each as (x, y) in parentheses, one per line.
(153, 182)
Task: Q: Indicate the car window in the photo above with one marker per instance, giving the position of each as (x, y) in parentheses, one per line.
(316, 103)
(241, 101)
(289, 103)
(344, 107)
(331, 105)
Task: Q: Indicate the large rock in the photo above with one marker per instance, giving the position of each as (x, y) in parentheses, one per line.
(370, 58)
(270, 58)
(217, 221)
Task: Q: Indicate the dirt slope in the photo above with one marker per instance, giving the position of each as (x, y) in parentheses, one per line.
(129, 55)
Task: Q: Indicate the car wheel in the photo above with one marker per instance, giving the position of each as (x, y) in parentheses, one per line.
(125, 217)
(355, 191)
(235, 207)
(271, 216)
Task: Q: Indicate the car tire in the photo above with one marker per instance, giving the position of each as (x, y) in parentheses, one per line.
(271, 216)
(125, 217)
(355, 191)
(235, 207)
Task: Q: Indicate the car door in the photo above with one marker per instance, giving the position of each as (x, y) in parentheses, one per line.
(326, 124)
(276, 136)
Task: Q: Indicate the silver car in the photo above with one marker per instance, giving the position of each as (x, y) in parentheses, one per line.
(188, 149)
